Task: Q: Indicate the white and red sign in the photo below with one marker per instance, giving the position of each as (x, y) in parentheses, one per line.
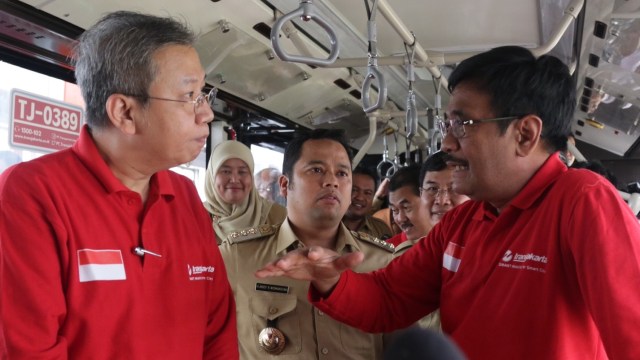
(97, 265)
(41, 123)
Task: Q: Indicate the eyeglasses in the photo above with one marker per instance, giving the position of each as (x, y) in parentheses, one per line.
(434, 191)
(209, 98)
(456, 126)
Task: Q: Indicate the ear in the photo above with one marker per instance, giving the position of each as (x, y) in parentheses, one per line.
(527, 134)
(120, 109)
(283, 182)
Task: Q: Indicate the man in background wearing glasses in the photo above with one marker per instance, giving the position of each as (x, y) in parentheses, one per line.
(106, 254)
(436, 197)
(542, 263)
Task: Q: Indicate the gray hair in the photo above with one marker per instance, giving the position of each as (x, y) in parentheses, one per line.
(116, 56)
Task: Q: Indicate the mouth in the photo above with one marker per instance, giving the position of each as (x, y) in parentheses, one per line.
(456, 164)
(202, 140)
(405, 227)
(330, 198)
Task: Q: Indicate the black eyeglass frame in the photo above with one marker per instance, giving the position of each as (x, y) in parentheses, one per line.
(445, 125)
(209, 97)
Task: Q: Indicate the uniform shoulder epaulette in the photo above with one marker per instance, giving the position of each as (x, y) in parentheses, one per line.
(373, 240)
(251, 233)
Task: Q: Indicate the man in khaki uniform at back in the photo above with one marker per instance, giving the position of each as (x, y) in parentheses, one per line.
(275, 320)
(358, 216)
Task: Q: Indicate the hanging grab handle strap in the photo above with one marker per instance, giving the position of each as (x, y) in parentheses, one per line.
(306, 12)
(373, 74)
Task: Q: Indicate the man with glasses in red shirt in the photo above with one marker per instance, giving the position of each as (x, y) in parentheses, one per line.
(106, 254)
(542, 263)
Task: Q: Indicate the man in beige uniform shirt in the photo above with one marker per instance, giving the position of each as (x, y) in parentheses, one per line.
(275, 320)
(358, 216)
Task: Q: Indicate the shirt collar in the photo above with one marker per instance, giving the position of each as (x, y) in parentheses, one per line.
(288, 240)
(85, 148)
(552, 168)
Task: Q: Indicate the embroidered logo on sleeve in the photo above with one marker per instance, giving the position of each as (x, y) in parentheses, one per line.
(452, 256)
(99, 265)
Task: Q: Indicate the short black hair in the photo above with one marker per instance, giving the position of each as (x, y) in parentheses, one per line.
(435, 162)
(519, 85)
(294, 148)
(406, 176)
(368, 172)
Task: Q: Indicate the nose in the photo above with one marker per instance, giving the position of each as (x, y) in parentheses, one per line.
(330, 179)
(443, 196)
(204, 114)
(400, 217)
(449, 143)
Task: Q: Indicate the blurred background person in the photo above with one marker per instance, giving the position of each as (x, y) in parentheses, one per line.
(566, 155)
(358, 216)
(406, 205)
(231, 198)
(436, 191)
(266, 181)
(380, 208)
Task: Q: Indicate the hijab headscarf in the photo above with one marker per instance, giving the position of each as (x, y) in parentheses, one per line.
(252, 211)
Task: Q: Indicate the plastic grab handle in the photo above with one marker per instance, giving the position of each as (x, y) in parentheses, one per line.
(306, 12)
(373, 74)
(392, 168)
(412, 115)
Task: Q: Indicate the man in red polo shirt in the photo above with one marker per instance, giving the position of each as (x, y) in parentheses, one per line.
(542, 263)
(106, 254)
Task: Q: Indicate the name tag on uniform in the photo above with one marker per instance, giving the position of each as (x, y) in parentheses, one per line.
(272, 288)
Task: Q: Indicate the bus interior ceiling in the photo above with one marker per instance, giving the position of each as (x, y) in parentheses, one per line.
(266, 99)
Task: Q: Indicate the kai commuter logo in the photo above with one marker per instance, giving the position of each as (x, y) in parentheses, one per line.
(200, 272)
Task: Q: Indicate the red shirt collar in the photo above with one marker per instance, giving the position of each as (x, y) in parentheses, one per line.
(552, 168)
(85, 148)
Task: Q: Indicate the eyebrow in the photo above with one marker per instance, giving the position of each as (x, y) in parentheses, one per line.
(321, 162)
(194, 80)
(457, 113)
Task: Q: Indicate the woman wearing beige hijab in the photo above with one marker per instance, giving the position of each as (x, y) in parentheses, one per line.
(232, 198)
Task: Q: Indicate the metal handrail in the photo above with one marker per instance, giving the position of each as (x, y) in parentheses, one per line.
(306, 13)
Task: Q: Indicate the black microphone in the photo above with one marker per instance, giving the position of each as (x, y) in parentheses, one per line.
(140, 251)
(421, 344)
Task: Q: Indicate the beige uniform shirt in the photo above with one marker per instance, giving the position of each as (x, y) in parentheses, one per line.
(310, 334)
(375, 227)
(431, 321)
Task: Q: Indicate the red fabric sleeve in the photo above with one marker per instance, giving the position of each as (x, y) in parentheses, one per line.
(604, 245)
(406, 290)
(32, 268)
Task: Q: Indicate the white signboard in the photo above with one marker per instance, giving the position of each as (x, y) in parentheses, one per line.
(41, 123)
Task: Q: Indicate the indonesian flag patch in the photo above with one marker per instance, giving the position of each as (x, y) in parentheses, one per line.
(452, 256)
(98, 265)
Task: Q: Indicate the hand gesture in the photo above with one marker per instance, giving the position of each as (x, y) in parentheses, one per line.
(316, 264)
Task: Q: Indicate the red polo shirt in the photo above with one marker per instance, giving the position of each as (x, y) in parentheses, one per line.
(71, 285)
(555, 276)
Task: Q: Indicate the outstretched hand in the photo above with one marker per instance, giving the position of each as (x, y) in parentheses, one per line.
(316, 264)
